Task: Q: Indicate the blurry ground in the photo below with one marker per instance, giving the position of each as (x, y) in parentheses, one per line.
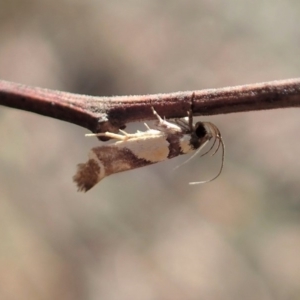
(146, 234)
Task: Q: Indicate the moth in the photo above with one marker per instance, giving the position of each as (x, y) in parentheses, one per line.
(130, 151)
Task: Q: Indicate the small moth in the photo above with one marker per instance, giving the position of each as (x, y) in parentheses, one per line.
(140, 149)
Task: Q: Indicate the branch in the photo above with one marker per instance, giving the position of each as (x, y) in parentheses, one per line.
(100, 114)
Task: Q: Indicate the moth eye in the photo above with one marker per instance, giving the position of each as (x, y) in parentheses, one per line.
(200, 130)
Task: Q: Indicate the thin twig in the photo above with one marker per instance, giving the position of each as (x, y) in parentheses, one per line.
(100, 114)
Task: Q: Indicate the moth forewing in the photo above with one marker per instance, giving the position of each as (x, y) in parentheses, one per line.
(134, 151)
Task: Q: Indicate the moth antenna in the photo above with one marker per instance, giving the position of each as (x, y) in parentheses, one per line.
(211, 148)
(217, 149)
(219, 137)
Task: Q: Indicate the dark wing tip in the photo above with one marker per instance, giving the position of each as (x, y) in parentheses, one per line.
(87, 175)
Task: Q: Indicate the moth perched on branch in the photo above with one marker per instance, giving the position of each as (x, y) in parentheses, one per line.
(141, 149)
(106, 115)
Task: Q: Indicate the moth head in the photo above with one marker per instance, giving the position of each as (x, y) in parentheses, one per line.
(202, 133)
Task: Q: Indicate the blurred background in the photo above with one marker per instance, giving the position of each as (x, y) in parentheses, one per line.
(147, 234)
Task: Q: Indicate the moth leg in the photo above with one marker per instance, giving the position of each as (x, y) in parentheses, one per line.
(190, 115)
(126, 135)
(161, 121)
(183, 124)
(147, 126)
(112, 135)
(164, 125)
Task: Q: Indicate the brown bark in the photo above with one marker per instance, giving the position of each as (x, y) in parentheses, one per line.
(100, 114)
